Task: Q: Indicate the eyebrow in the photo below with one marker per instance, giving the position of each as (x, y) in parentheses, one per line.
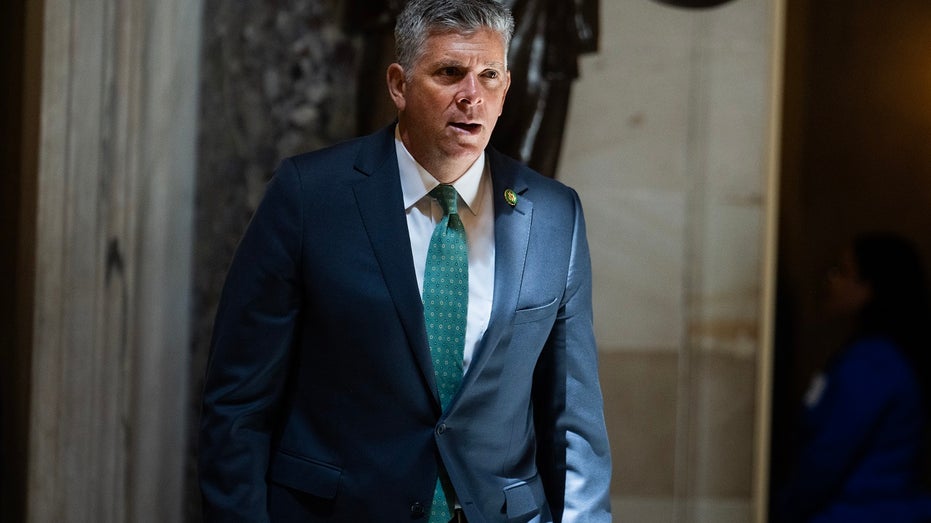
(456, 63)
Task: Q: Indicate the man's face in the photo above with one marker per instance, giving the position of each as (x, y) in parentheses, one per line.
(449, 103)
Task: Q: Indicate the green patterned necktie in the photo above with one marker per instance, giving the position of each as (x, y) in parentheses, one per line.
(445, 303)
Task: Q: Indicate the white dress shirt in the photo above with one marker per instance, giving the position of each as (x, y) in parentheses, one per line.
(478, 217)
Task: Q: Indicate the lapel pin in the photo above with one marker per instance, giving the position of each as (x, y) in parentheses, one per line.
(510, 196)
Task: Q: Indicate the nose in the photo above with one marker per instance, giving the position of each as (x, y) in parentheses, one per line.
(470, 91)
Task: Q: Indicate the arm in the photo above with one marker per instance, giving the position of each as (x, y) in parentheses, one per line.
(252, 339)
(575, 454)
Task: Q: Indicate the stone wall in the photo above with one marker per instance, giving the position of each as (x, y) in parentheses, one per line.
(113, 218)
(670, 145)
(277, 79)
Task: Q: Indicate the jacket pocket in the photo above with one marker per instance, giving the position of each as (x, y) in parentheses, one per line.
(523, 500)
(304, 474)
(536, 313)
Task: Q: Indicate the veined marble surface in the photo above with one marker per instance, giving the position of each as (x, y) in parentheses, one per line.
(667, 145)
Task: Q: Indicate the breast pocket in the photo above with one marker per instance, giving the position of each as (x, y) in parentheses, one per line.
(536, 313)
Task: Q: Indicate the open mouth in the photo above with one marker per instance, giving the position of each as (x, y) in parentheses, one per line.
(468, 127)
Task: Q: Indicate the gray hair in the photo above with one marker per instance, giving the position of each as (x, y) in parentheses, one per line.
(421, 18)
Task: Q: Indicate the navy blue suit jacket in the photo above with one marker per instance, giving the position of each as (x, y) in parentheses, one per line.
(320, 402)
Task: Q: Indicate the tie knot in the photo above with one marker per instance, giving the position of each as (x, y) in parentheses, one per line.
(447, 196)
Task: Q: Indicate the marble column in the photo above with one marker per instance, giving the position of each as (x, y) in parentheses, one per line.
(114, 215)
(276, 79)
(671, 145)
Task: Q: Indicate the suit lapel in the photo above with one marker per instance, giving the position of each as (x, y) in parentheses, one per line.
(382, 208)
(512, 235)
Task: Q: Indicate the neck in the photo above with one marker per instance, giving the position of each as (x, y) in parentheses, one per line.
(443, 168)
(446, 174)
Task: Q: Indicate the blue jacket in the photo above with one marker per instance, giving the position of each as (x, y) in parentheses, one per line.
(320, 402)
(861, 442)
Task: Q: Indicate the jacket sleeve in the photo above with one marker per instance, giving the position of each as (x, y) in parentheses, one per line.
(574, 454)
(253, 334)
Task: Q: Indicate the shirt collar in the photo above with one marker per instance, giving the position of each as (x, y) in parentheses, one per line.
(416, 182)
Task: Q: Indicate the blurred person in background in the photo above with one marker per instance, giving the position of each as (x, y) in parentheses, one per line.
(862, 432)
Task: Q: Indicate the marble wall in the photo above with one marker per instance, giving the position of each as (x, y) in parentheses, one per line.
(110, 242)
(669, 145)
(278, 78)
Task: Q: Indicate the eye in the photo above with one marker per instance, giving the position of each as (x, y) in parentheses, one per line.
(492, 74)
(449, 71)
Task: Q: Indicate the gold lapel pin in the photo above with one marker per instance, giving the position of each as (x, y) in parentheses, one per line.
(510, 196)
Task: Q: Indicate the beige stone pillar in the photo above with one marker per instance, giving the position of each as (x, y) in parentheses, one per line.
(672, 144)
(114, 210)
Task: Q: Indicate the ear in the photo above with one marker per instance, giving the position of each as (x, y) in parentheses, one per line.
(396, 85)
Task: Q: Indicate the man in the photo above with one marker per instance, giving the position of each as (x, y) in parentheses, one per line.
(351, 378)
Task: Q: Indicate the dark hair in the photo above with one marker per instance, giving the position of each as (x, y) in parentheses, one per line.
(421, 18)
(898, 307)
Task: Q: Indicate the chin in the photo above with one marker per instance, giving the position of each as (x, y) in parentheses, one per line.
(469, 152)
(461, 144)
(474, 143)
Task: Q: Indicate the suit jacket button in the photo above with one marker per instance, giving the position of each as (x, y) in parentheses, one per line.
(441, 429)
(417, 509)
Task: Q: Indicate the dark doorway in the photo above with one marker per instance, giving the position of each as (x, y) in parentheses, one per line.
(856, 157)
